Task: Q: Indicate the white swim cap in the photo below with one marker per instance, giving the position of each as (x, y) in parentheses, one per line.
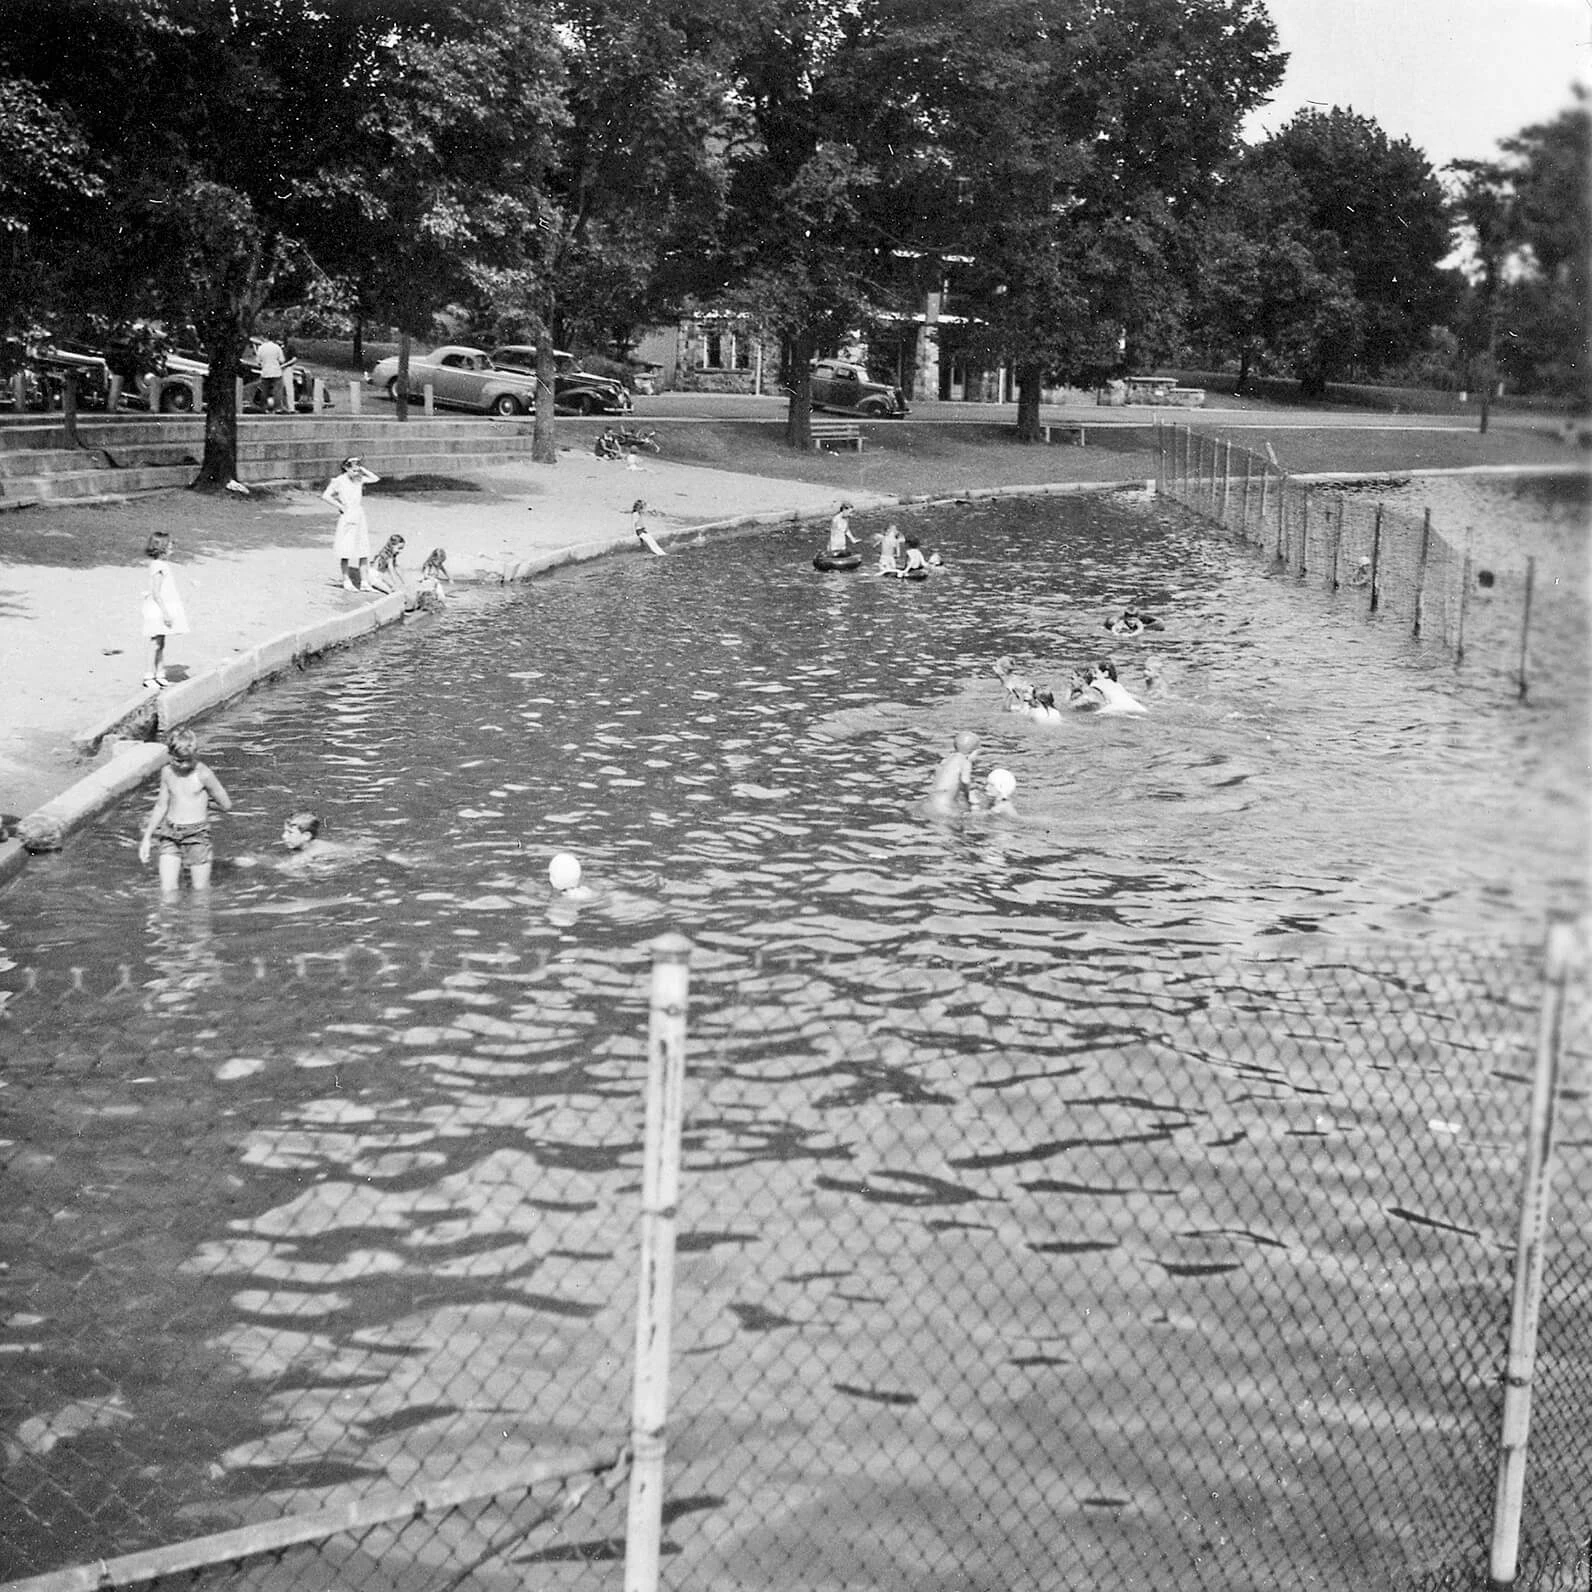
(1001, 783)
(563, 872)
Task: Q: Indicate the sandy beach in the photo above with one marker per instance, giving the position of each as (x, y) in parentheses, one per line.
(248, 569)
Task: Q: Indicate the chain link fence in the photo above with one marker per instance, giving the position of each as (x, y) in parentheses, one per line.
(1191, 1270)
(1485, 608)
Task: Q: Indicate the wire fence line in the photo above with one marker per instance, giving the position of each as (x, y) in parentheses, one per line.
(1191, 1272)
(1398, 567)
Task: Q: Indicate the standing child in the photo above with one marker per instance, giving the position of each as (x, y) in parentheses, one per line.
(346, 493)
(180, 819)
(162, 607)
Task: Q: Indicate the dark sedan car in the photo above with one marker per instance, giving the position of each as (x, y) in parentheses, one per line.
(847, 388)
(575, 391)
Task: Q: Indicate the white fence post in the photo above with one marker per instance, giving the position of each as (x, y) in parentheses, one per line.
(353, 397)
(1525, 1307)
(660, 1191)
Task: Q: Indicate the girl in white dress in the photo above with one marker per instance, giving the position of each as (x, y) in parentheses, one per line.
(346, 493)
(162, 607)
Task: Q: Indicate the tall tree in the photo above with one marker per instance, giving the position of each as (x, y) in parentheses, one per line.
(247, 114)
(1375, 210)
(1090, 169)
(1265, 284)
(836, 149)
(631, 177)
(1527, 221)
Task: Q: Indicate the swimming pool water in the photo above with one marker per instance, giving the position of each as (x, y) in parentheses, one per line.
(734, 746)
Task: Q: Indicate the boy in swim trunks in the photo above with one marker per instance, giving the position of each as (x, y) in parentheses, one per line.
(180, 820)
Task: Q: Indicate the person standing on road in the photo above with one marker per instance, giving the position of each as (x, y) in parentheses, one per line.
(273, 379)
(346, 493)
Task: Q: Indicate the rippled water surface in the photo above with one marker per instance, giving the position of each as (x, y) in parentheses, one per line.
(734, 747)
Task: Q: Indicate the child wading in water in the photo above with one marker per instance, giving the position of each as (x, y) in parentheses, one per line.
(433, 577)
(162, 607)
(952, 790)
(180, 819)
(639, 526)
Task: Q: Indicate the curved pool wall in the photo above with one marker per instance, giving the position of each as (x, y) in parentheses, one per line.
(733, 746)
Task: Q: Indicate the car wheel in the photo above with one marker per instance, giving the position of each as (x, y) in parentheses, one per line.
(873, 411)
(392, 389)
(507, 405)
(176, 400)
(582, 403)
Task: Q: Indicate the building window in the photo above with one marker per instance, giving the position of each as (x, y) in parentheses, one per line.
(721, 351)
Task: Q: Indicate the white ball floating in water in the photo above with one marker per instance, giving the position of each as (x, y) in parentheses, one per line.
(563, 872)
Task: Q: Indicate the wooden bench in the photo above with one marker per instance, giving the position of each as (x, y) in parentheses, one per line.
(835, 431)
(1065, 431)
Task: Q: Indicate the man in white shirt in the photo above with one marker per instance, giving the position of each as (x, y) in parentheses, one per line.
(274, 392)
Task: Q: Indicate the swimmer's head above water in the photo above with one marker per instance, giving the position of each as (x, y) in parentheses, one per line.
(966, 742)
(1001, 784)
(299, 829)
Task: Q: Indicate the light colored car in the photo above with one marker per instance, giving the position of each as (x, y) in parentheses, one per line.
(460, 378)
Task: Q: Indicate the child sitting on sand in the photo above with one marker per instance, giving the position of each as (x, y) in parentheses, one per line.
(385, 574)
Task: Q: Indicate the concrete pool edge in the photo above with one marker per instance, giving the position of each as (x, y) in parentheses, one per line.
(133, 760)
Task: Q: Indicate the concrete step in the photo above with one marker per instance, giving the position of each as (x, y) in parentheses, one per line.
(66, 485)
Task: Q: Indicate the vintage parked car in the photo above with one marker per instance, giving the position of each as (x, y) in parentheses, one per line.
(845, 387)
(43, 361)
(575, 391)
(460, 378)
(172, 379)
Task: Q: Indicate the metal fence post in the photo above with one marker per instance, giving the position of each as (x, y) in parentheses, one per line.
(1464, 603)
(1420, 571)
(1227, 480)
(1525, 627)
(1260, 517)
(1376, 555)
(1243, 509)
(660, 1191)
(1526, 1303)
(1337, 546)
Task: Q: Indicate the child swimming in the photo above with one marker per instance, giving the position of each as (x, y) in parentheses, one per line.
(1114, 698)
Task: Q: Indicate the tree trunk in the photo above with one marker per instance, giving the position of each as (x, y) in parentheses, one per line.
(799, 416)
(544, 435)
(220, 463)
(1030, 381)
(401, 389)
(359, 343)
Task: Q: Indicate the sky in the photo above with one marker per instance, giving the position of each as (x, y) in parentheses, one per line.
(1452, 76)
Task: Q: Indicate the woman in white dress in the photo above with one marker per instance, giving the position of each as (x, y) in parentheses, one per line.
(346, 493)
